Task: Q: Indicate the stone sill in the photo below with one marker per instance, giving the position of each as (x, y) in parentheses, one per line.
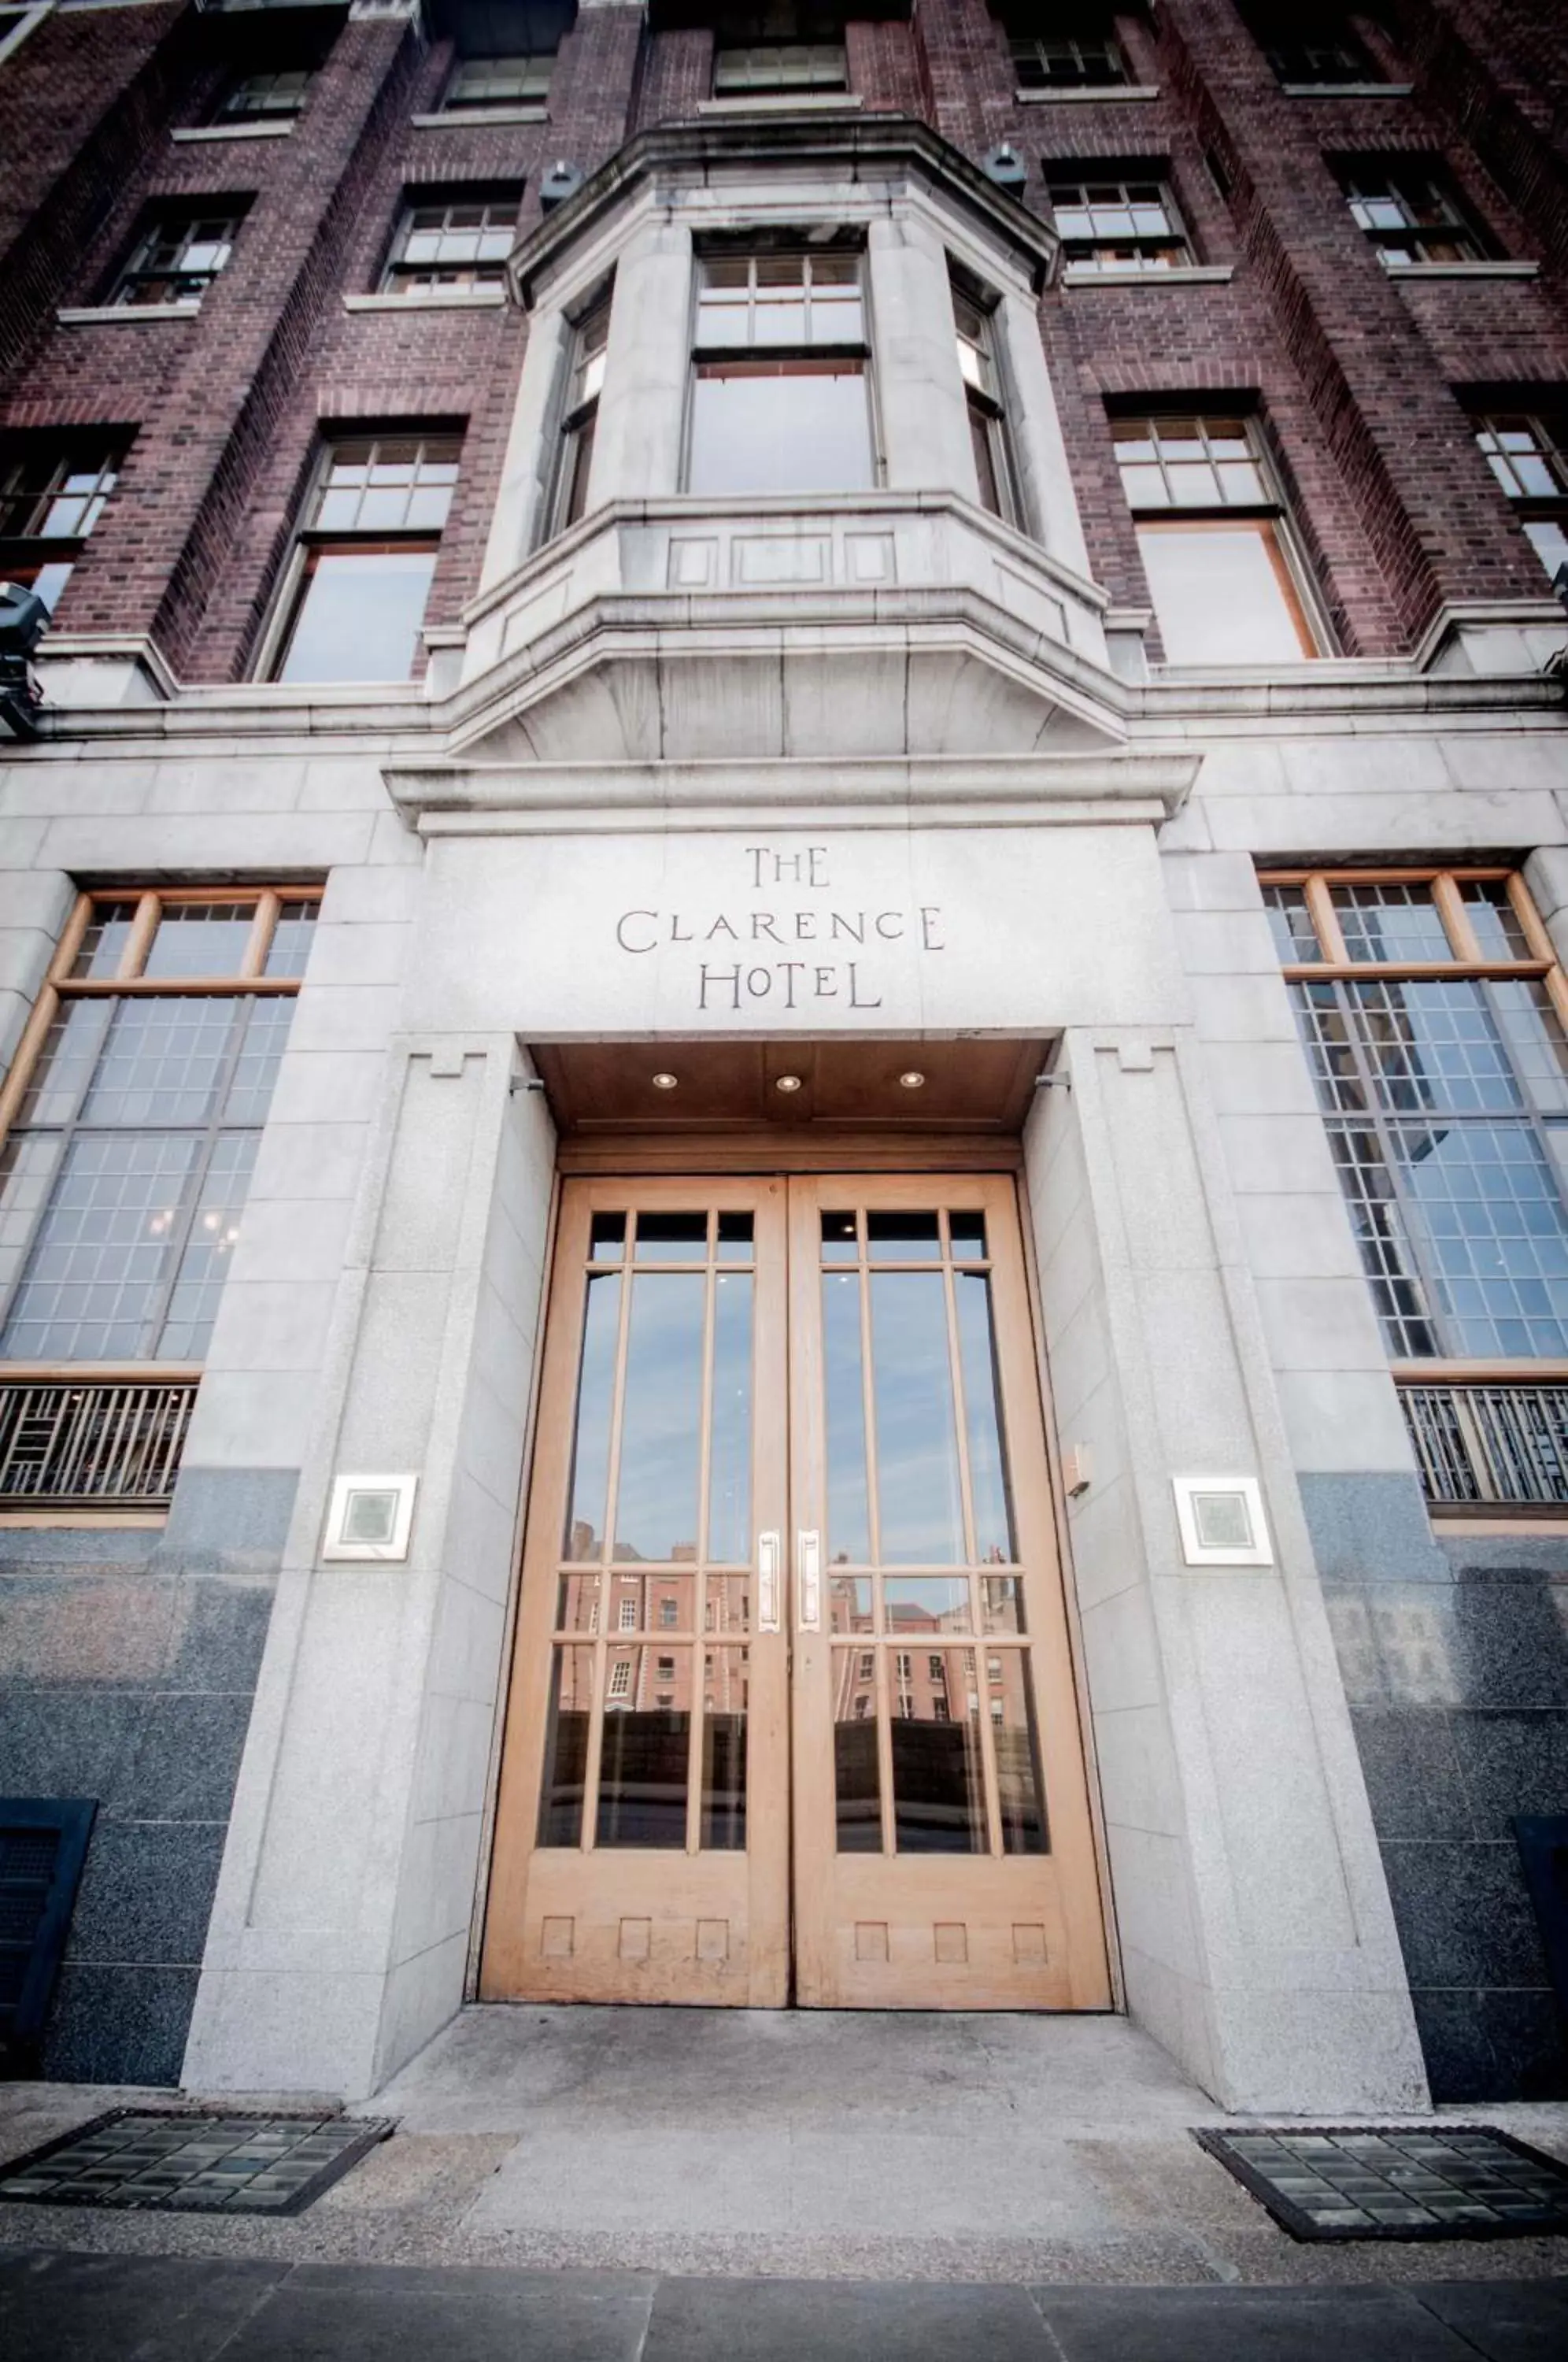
(1193, 274)
(1347, 89)
(1397, 271)
(805, 101)
(122, 315)
(93, 1521)
(1098, 94)
(466, 119)
(201, 134)
(446, 299)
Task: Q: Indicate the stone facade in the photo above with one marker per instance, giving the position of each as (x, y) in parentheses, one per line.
(1307, 1774)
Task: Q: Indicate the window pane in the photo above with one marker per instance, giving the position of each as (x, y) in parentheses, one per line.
(644, 1765)
(1499, 928)
(788, 428)
(103, 1254)
(939, 1803)
(1218, 596)
(1295, 937)
(361, 616)
(724, 1682)
(164, 1061)
(656, 1508)
(1393, 921)
(566, 1748)
(200, 938)
(857, 1785)
(289, 950)
(917, 1444)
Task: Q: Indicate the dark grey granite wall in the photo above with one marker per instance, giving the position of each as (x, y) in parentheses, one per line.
(127, 1665)
(1454, 1655)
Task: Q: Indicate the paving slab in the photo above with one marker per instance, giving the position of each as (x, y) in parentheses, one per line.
(366, 2313)
(1509, 2321)
(74, 2308)
(1231, 2324)
(841, 2320)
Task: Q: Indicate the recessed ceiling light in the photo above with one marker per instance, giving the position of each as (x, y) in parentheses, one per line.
(665, 1081)
(787, 1082)
(912, 1081)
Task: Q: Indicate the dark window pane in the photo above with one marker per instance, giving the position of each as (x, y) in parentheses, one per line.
(723, 1752)
(672, 1238)
(645, 1763)
(903, 1238)
(939, 1797)
(566, 1748)
(857, 1786)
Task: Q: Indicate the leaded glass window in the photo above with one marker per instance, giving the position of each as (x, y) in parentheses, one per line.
(141, 1095)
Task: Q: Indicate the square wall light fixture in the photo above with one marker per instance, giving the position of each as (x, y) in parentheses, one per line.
(1221, 1520)
(370, 1518)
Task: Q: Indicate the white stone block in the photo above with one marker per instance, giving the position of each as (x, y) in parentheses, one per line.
(1320, 1324)
(271, 1324)
(1300, 1235)
(1343, 1421)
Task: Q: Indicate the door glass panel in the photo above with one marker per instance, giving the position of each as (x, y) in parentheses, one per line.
(725, 1680)
(566, 1748)
(653, 1603)
(577, 1604)
(1001, 1603)
(903, 1238)
(967, 1227)
(607, 1241)
(929, 1604)
(656, 1509)
(729, 1604)
(849, 1603)
(1011, 1709)
(857, 1786)
(735, 1239)
(672, 1238)
(994, 1540)
(729, 1472)
(848, 1527)
(939, 1797)
(590, 1450)
(647, 1749)
(839, 1241)
(917, 1451)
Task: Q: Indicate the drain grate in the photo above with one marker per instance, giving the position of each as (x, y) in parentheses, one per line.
(1396, 2181)
(188, 2163)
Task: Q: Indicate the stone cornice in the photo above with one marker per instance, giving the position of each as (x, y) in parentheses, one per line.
(861, 147)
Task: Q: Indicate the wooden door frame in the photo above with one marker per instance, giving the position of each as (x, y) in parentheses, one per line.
(636, 1156)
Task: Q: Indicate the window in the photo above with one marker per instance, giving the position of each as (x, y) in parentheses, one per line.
(520, 79)
(867, 1668)
(259, 97)
(1116, 223)
(669, 1614)
(585, 379)
(462, 241)
(1312, 47)
(621, 1678)
(1077, 56)
(1431, 1010)
(975, 329)
(124, 1175)
(365, 558)
(937, 1669)
(666, 1669)
(1529, 455)
(628, 1615)
(780, 399)
(1221, 572)
(177, 257)
(51, 495)
(1409, 215)
(779, 66)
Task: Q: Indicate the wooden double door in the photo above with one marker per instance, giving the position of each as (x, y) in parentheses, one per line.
(791, 1714)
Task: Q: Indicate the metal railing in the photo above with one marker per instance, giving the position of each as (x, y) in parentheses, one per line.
(93, 1443)
(1489, 1443)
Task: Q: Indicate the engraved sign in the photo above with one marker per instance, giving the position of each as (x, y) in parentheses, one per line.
(792, 933)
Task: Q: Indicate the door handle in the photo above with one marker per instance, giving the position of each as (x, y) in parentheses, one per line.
(808, 1566)
(767, 1582)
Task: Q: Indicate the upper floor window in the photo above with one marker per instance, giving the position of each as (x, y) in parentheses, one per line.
(264, 97)
(461, 241)
(779, 66)
(1113, 222)
(520, 79)
(1214, 539)
(138, 1104)
(52, 491)
(1310, 47)
(975, 329)
(579, 416)
(364, 559)
(1529, 455)
(1077, 54)
(178, 255)
(1431, 1007)
(781, 397)
(1410, 215)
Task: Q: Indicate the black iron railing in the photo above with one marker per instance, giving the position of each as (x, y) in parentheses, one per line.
(94, 1442)
(1489, 1443)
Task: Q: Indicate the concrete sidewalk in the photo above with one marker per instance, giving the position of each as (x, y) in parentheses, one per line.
(75, 2308)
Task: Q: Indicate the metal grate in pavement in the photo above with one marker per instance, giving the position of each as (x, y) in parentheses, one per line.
(1396, 2181)
(189, 2163)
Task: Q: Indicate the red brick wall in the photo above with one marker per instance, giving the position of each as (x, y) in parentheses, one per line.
(1353, 375)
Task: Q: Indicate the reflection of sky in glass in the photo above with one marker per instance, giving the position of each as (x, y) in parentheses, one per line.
(729, 1472)
(988, 1473)
(849, 1534)
(916, 1443)
(655, 1510)
(1495, 1232)
(591, 1455)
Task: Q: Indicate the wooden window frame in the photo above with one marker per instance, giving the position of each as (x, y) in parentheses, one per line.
(1084, 253)
(175, 222)
(581, 392)
(1389, 179)
(1469, 964)
(402, 277)
(130, 983)
(312, 540)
